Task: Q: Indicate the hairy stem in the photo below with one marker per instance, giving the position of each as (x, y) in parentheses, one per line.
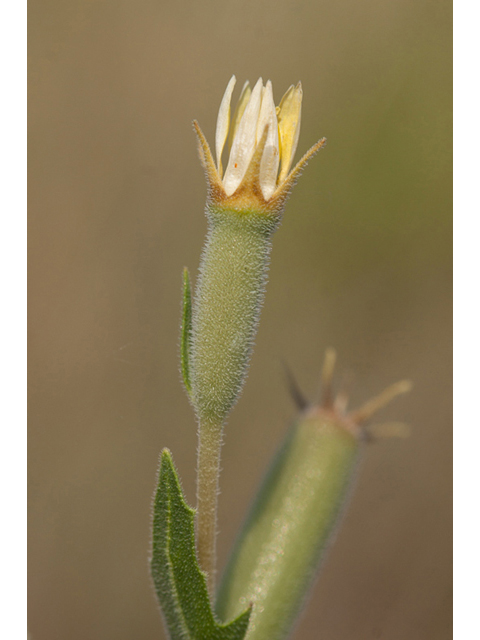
(208, 470)
(225, 313)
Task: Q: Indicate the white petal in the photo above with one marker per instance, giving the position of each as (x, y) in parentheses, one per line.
(244, 142)
(269, 170)
(239, 110)
(266, 106)
(271, 156)
(223, 122)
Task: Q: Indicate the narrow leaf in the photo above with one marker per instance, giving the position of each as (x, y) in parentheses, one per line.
(186, 331)
(180, 585)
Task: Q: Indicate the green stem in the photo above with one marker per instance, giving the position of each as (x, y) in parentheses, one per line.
(225, 312)
(208, 470)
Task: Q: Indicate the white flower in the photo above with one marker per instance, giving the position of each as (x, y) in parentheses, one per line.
(255, 114)
(262, 141)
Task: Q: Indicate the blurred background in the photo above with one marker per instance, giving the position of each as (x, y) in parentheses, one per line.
(362, 262)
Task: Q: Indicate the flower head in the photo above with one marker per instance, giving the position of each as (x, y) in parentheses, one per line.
(262, 140)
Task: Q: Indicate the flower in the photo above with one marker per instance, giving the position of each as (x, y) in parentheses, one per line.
(256, 112)
(262, 140)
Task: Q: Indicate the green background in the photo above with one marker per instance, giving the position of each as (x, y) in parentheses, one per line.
(361, 262)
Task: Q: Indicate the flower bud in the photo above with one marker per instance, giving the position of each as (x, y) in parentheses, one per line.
(295, 514)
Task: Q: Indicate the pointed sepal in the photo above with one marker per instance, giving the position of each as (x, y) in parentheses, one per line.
(216, 190)
(284, 189)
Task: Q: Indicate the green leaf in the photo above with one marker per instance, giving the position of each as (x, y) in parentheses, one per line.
(180, 585)
(186, 331)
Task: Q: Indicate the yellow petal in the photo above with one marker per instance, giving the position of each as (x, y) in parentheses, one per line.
(289, 116)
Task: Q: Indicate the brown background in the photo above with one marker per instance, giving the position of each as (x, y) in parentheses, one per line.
(361, 262)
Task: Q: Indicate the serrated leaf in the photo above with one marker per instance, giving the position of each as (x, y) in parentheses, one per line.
(180, 585)
(186, 331)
